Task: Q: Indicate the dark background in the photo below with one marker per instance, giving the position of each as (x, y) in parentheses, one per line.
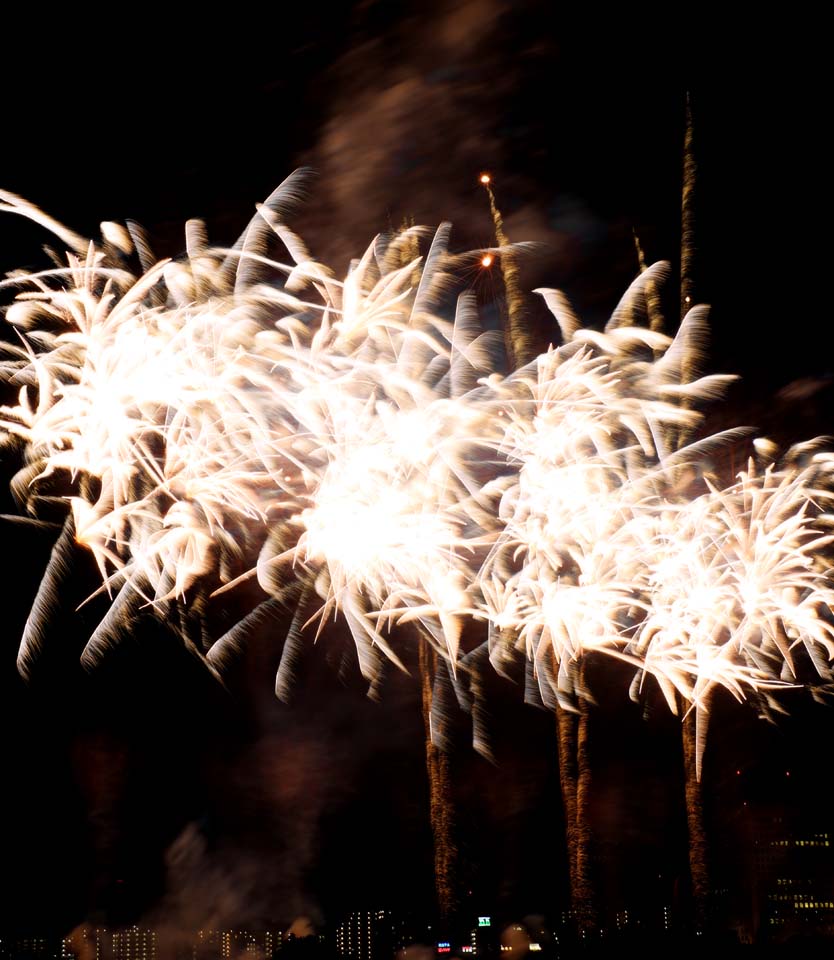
(146, 793)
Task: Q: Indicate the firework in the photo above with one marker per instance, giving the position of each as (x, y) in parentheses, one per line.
(738, 585)
(349, 445)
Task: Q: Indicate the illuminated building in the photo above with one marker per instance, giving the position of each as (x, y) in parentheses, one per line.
(369, 935)
(93, 942)
(482, 937)
(28, 947)
(223, 944)
(102, 943)
(354, 936)
(244, 943)
(793, 882)
(273, 941)
(134, 943)
(212, 945)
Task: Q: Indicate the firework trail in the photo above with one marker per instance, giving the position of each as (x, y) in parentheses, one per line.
(653, 306)
(439, 779)
(690, 180)
(517, 339)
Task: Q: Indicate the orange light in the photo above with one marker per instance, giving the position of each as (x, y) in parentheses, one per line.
(485, 178)
(486, 260)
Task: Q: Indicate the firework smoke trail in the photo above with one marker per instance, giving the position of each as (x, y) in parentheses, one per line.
(690, 179)
(653, 306)
(517, 339)
(439, 779)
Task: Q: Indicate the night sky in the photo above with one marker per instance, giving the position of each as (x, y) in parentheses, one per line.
(146, 793)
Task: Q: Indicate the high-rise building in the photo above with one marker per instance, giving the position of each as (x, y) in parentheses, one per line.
(29, 948)
(239, 942)
(368, 935)
(353, 936)
(482, 937)
(87, 942)
(793, 879)
(134, 943)
(212, 945)
(273, 941)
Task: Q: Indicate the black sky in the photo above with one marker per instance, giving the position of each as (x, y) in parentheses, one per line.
(115, 782)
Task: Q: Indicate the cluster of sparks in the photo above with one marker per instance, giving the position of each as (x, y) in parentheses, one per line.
(349, 445)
